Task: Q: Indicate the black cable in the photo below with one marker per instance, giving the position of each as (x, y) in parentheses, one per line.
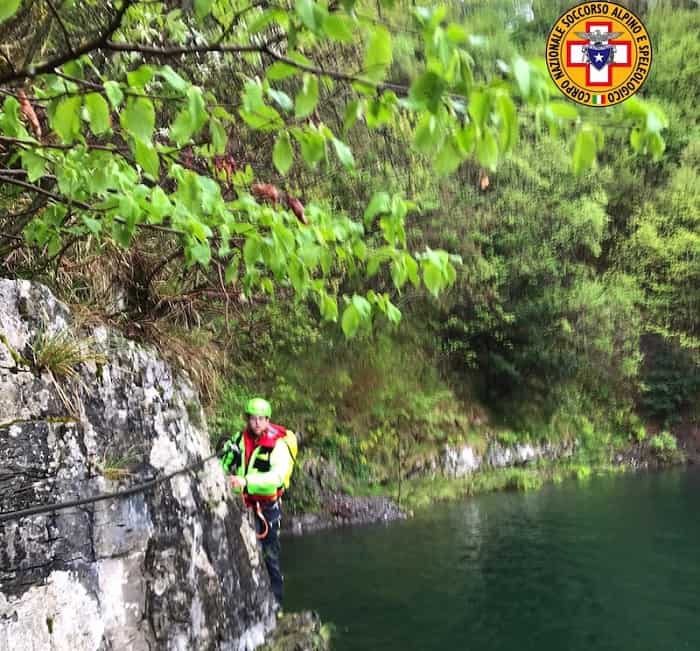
(138, 488)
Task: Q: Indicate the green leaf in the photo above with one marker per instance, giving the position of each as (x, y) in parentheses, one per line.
(329, 307)
(281, 99)
(201, 253)
(448, 158)
(344, 154)
(282, 154)
(426, 91)
(487, 150)
(432, 277)
(264, 118)
(147, 157)
(66, 118)
(479, 107)
(262, 21)
(114, 93)
(10, 122)
(380, 203)
(393, 313)
(122, 233)
(252, 250)
(305, 11)
(337, 27)
(280, 70)
(465, 139)
(203, 7)
(363, 307)
(412, 269)
(98, 113)
(140, 77)
(636, 139)
(655, 121)
(231, 274)
(219, 139)
(350, 321)
(378, 56)
(306, 99)
(8, 8)
(298, 277)
(159, 206)
(139, 118)
(34, 164)
(313, 146)
(456, 33)
(656, 145)
(584, 151)
(426, 137)
(174, 79)
(190, 119)
(507, 123)
(378, 113)
(93, 225)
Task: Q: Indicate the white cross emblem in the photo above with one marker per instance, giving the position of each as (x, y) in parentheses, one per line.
(576, 56)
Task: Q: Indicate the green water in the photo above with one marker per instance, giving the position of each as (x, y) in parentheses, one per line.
(612, 563)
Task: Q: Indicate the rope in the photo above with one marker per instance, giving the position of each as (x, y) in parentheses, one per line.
(266, 527)
(126, 492)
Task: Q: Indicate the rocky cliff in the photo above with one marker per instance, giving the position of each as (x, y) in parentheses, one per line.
(83, 413)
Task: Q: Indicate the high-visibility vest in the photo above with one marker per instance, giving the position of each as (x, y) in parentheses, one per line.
(267, 467)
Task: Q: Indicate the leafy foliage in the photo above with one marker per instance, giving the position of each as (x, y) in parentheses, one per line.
(243, 170)
(130, 145)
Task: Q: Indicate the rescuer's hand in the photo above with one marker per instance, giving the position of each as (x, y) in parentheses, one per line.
(238, 482)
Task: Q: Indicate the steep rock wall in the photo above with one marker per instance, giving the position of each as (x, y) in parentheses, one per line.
(175, 567)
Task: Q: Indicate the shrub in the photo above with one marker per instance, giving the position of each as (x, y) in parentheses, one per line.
(664, 446)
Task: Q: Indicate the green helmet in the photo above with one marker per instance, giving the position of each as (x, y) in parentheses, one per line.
(258, 407)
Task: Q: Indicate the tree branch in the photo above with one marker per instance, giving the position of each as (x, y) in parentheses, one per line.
(47, 193)
(339, 76)
(62, 26)
(29, 72)
(175, 50)
(263, 48)
(81, 204)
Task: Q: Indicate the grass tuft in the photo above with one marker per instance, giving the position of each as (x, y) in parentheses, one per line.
(61, 353)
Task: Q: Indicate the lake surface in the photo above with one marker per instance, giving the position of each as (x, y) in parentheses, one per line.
(610, 563)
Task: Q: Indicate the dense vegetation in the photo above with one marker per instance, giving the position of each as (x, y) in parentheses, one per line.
(382, 216)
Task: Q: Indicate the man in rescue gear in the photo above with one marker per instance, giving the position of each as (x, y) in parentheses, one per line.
(259, 461)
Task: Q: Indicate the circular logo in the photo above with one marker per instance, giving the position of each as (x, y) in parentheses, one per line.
(598, 53)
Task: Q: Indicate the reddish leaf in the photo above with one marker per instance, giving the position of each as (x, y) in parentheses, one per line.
(298, 209)
(266, 192)
(28, 111)
(225, 164)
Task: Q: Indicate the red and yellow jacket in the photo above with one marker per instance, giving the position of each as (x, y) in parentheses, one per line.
(266, 463)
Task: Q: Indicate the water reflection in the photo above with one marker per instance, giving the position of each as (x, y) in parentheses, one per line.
(611, 564)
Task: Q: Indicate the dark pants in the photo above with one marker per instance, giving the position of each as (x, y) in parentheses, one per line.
(271, 545)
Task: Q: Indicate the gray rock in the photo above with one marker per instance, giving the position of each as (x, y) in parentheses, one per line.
(175, 567)
(459, 461)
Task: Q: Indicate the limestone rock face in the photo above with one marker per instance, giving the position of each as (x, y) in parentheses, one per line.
(463, 460)
(173, 567)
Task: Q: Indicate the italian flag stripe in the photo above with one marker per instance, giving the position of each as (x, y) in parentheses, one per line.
(599, 99)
